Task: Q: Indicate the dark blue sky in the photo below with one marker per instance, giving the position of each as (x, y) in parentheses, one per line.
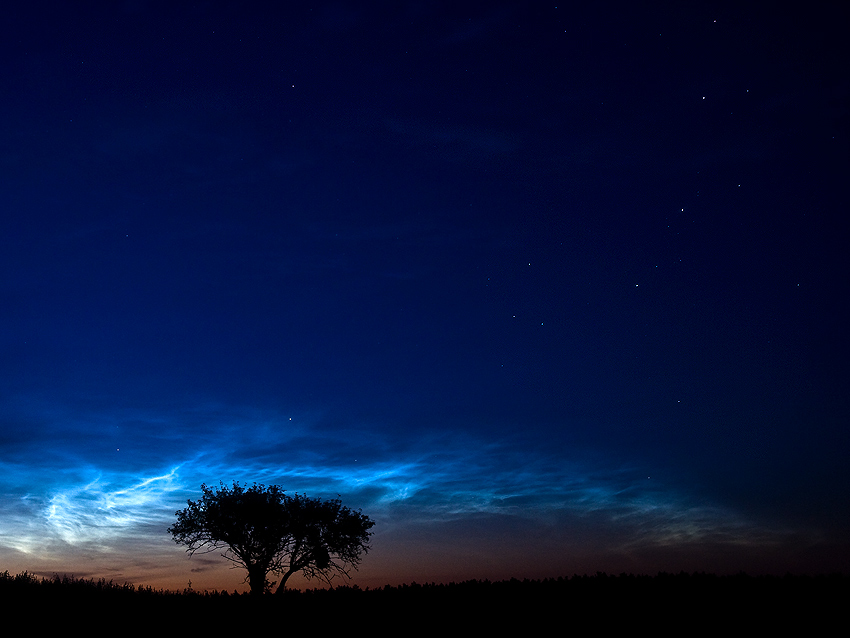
(541, 289)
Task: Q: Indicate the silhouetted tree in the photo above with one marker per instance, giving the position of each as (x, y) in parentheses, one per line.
(264, 530)
(247, 522)
(324, 538)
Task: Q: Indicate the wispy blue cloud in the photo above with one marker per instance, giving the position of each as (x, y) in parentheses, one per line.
(431, 480)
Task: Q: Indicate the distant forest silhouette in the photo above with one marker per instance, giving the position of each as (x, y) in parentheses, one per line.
(675, 602)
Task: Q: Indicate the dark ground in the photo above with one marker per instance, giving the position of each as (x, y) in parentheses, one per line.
(666, 603)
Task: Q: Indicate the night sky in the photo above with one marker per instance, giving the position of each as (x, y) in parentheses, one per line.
(541, 288)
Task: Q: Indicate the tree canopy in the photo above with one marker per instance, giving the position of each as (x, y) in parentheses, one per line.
(266, 531)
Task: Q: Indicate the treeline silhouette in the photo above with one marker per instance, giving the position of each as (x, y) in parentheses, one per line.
(675, 602)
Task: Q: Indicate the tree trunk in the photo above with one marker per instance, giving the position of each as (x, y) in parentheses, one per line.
(257, 580)
(282, 586)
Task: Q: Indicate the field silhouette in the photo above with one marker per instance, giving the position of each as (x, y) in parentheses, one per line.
(665, 603)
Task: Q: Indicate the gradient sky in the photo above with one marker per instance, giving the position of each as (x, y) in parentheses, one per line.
(543, 289)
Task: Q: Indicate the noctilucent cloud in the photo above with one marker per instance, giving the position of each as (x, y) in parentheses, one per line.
(542, 290)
